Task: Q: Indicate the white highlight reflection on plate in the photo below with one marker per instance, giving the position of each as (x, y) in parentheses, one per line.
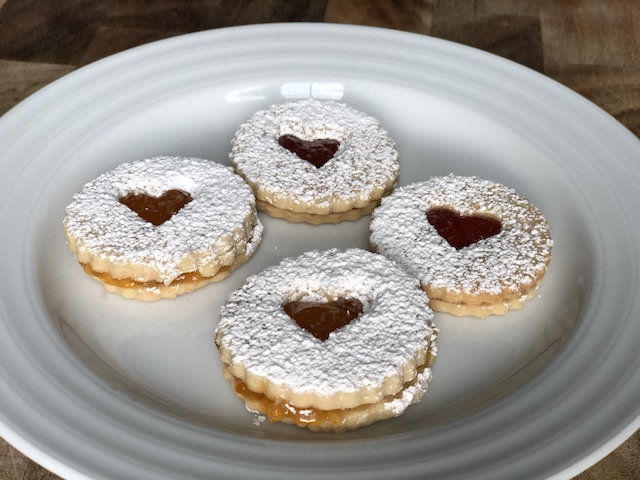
(89, 377)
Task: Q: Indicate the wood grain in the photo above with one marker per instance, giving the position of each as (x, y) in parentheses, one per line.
(15, 466)
(591, 46)
(595, 50)
(21, 79)
(408, 15)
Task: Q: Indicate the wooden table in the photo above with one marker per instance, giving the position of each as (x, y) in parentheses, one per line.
(591, 46)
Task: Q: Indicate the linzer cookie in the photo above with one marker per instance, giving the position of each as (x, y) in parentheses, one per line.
(330, 340)
(477, 247)
(315, 161)
(163, 226)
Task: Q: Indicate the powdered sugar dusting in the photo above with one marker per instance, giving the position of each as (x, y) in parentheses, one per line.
(366, 161)
(258, 419)
(208, 226)
(515, 256)
(395, 327)
(411, 394)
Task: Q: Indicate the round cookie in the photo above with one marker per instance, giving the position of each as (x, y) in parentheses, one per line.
(163, 226)
(498, 247)
(315, 161)
(329, 379)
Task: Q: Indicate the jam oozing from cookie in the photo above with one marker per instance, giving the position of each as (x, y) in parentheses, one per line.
(316, 152)
(156, 210)
(278, 410)
(322, 318)
(461, 231)
(185, 278)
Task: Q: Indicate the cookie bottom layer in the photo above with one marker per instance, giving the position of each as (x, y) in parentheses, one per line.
(316, 218)
(339, 420)
(500, 307)
(151, 291)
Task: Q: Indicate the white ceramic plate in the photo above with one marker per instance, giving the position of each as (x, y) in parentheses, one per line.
(93, 386)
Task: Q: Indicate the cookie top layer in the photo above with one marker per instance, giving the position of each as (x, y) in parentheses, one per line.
(364, 167)
(219, 223)
(505, 265)
(362, 362)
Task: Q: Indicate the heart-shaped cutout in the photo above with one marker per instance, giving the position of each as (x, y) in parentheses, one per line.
(316, 152)
(322, 318)
(156, 210)
(461, 231)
